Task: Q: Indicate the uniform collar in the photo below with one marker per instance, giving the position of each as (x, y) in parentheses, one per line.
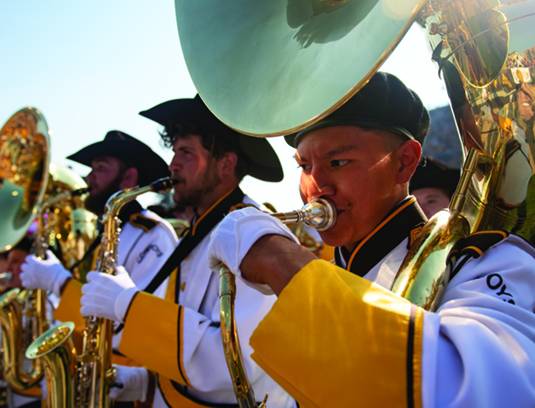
(405, 217)
(215, 213)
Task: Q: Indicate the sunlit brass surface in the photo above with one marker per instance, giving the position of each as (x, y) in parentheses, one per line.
(229, 335)
(70, 227)
(488, 55)
(89, 386)
(56, 350)
(282, 65)
(28, 313)
(13, 343)
(24, 158)
(319, 214)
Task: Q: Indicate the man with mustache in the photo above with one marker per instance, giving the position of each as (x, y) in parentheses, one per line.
(179, 337)
(145, 241)
(337, 337)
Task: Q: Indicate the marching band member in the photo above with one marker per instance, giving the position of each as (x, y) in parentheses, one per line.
(337, 337)
(433, 185)
(146, 240)
(179, 337)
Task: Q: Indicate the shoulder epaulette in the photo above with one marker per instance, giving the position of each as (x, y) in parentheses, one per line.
(414, 234)
(475, 245)
(140, 221)
(239, 206)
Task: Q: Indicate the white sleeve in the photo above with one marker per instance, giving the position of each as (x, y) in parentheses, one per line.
(479, 347)
(149, 254)
(203, 356)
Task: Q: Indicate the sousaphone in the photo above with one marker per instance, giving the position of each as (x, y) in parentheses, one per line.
(24, 161)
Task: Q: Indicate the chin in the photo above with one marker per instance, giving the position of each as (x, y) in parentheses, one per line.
(333, 237)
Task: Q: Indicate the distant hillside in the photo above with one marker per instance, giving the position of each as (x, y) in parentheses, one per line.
(442, 142)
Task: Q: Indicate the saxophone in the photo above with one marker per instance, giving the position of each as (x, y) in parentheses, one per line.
(84, 380)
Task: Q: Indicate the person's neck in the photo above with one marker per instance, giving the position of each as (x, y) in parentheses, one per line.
(214, 196)
(393, 204)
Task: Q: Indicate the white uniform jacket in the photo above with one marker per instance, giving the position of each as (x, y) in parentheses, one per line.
(183, 342)
(145, 242)
(476, 350)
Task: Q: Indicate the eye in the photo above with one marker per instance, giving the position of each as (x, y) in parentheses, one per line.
(305, 168)
(338, 162)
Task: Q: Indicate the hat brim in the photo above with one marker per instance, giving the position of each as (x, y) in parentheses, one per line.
(260, 158)
(294, 139)
(150, 166)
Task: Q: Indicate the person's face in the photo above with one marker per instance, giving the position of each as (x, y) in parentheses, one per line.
(358, 170)
(103, 180)
(15, 259)
(194, 172)
(431, 199)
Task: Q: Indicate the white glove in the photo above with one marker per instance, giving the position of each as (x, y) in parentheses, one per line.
(48, 274)
(130, 384)
(106, 295)
(234, 236)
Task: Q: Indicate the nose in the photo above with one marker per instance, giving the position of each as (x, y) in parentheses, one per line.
(316, 184)
(90, 178)
(175, 165)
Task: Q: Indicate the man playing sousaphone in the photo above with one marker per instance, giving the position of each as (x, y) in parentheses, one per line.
(117, 162)
(180, 337)
(337, 337)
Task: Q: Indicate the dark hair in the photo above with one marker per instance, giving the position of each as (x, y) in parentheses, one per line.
(216, 146)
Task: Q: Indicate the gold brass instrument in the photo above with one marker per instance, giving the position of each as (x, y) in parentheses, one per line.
(320, 215)
(31, 189)
(24, 160)
(84, 380)
(315, 55)
(23, 317)
(23, 312)
(486, 50)
(299, 229)
(70, 227)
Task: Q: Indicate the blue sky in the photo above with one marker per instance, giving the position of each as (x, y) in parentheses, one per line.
(91, 66)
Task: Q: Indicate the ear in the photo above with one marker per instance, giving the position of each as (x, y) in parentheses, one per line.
(409, 154)
(130, 178)
(227, 164)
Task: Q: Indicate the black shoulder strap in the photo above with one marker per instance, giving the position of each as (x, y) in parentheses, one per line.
(194, 236)
(473, 246)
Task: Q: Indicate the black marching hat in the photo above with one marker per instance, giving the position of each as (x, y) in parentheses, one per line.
(432, 173)
(131, 151)
(383, 103)
(259, 158)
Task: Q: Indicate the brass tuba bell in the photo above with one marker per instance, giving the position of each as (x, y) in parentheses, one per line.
(24, 160)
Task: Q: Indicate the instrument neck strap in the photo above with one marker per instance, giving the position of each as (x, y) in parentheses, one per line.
(194, 235)
(389, 233)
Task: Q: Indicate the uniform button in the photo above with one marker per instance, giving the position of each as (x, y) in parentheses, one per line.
(183, 286)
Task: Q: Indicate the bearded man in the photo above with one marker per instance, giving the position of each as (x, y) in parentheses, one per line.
(118, 162)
